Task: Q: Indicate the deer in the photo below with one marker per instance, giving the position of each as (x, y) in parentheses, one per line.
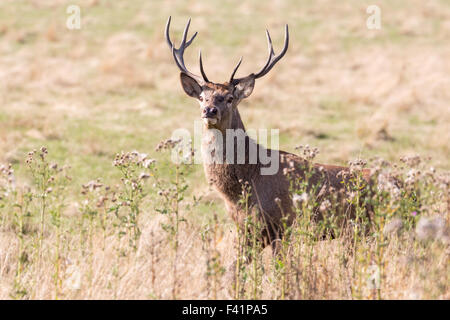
(270, 193)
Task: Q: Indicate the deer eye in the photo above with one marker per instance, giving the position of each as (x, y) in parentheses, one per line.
(230, 100)
(200, 98)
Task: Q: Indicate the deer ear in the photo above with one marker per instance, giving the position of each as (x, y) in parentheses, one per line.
(190, 85)
(244, 87)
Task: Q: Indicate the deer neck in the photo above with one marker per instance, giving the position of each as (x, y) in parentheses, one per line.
(214, 140)
(223, 173)
(236, 121)
(215, 144)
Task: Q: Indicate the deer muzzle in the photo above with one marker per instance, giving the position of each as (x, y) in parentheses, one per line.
(210, 115)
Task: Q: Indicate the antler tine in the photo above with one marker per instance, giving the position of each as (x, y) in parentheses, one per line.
(273, 59)
(270, 49)
(184, 44)
(185, 32)
(178, 53)
(169, 42)
(234, 71)
(201, 67)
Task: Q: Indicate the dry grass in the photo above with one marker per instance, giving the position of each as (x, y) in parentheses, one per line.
(88, 94)
(143, 238)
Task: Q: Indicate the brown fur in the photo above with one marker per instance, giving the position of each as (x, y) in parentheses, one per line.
(270, 194)
(228, 179)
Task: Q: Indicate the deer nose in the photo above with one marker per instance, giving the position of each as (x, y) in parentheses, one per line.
(210, 111)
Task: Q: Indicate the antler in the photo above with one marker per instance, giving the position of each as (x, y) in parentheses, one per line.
(272, 59)
(178, 53)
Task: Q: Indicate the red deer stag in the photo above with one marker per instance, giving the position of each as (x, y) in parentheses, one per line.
(270, 193)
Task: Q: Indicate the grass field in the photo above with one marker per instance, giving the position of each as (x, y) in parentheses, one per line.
(112, 86)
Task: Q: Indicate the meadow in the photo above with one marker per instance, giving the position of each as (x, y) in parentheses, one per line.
(91, 207)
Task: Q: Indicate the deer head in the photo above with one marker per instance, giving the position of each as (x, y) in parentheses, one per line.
(218, 101)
